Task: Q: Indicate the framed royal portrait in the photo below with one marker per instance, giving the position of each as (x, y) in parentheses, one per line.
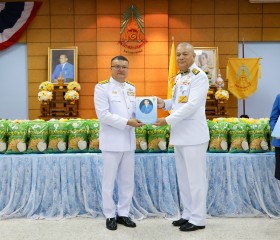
(207, 59)
(63, 64)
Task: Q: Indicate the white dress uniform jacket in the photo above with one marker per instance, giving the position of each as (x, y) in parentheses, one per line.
(114, 105)
(187, 119)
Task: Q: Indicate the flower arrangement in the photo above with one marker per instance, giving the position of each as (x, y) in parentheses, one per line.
(44, 95)
(74, 86)
(222, 95)
(46, 86)
(71, 95)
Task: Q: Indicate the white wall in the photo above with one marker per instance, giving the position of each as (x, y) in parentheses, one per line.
(13, 82)
(260, 103)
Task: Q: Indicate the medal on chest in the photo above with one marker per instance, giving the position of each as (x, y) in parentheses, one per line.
(182, 99)
(130, 92)
(184, 90)
(185, 82)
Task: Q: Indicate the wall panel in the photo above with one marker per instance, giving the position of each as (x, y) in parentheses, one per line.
(94, 25)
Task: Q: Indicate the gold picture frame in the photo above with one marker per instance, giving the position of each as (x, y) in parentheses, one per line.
(207, 59)
(63, 64)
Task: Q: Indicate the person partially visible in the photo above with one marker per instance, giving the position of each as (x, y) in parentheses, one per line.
(115, 106)
(63, 69)
(275, 113)
(203, 64)
(190, 135)
(146, 107)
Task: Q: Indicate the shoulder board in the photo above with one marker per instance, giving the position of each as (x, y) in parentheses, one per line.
(130, 83)
(103, 82)
(195, 71)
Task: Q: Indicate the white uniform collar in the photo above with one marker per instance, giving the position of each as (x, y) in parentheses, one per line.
(192, 66)
(112, 80)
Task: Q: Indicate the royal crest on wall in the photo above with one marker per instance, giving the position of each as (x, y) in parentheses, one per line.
(132, 31)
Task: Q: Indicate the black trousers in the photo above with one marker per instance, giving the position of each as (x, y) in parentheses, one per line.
(277, 163)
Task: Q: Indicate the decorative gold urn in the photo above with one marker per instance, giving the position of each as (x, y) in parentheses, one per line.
(60, 81)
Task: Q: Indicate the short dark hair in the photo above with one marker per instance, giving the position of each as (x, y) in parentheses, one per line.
(63, 54)
(122, 58)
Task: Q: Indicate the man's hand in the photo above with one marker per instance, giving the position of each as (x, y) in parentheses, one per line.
(133, 122)
(161, 122)
(160, 103)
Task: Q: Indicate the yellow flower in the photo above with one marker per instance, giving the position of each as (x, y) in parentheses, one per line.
(74, 86)
(222, 95)
(71, 95)
(46, 86)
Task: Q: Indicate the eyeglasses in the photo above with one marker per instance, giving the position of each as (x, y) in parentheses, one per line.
(120, 67)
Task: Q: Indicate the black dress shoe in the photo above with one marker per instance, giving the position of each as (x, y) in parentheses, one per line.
(126, 221)
(111, 223)
(188, 227)
(180, 222)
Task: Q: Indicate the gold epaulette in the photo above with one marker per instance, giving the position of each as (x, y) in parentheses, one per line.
(103, 82)
(130, 83)
(195, 71)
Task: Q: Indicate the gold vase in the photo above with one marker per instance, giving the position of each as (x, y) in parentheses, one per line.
(72, 101)
(45, 102)
(60, 82)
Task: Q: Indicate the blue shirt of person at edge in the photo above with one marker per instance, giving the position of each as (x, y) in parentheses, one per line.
(274, 116)
(275, 113)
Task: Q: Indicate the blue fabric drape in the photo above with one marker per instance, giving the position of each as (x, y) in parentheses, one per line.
(56, 186)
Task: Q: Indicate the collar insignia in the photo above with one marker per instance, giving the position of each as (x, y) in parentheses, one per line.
(183, 73)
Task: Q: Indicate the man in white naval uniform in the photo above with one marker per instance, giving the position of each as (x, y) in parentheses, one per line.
(189, 135)
(114, 101)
